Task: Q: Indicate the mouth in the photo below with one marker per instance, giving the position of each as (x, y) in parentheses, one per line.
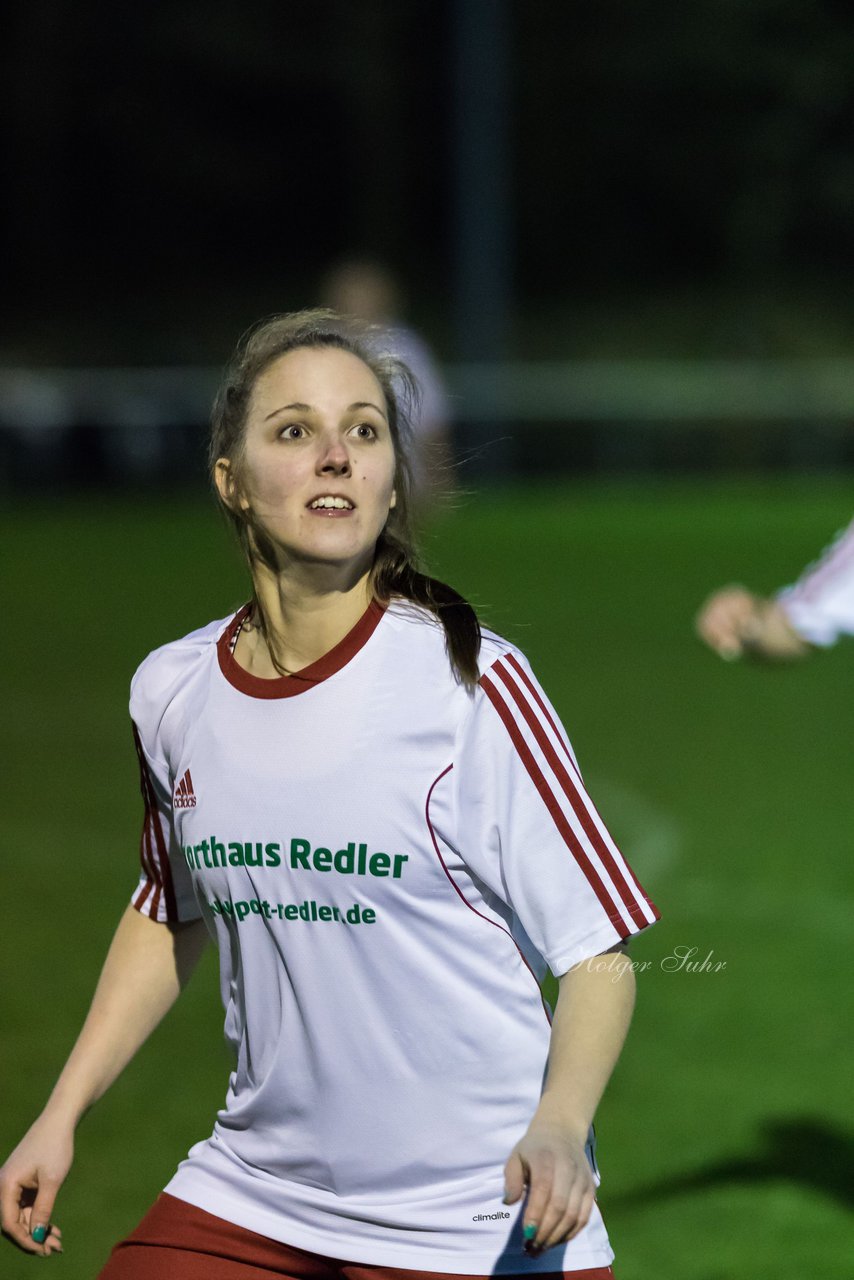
(330, 504)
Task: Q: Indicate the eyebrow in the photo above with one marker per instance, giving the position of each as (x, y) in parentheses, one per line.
(366, 404)
(306, 408)
(300, 408)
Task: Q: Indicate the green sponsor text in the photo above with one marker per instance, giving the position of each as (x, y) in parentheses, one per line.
(309, 911)
(353, 860)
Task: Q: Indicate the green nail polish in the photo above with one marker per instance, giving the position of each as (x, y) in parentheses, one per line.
(39, 1234)
(529, 1230)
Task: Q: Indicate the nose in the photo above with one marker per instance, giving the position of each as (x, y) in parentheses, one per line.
(333, 458)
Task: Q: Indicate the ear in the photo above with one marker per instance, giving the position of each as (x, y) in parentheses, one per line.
(226, 486)
(393, 502)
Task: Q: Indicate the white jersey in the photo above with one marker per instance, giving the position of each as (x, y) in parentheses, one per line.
(820, 605)
(387, 863)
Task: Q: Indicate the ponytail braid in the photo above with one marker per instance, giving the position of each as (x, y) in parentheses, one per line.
(396, 574)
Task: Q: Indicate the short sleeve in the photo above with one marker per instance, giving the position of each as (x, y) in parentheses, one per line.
(820, 605)
(165, 890)
(528, 829)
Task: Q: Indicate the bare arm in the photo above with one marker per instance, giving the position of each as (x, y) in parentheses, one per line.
(591, 1022)
(146, 968)
(734, 622)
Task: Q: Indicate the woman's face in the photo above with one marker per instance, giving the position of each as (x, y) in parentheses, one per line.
(318, 463)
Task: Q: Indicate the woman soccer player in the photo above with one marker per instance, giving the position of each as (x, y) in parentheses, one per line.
(375, 813)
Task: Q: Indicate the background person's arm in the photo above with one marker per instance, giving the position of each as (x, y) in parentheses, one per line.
(812, 613)
(146, 968)
(591, 1021)
(734, 622)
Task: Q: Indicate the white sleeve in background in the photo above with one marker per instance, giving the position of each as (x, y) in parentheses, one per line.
(820, 605)
(529, 830)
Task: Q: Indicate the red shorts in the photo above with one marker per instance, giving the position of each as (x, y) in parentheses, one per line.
(177, 1241)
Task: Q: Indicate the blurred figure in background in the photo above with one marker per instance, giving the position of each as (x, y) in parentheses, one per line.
(816, 611)
(367, 290)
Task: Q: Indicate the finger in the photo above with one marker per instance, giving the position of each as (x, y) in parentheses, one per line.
(53, 1243)
(514, 1179)
(721, 632)
(721, 619)
(575, 1215)
(551, 1219)
(18, 1234)
(40, 1214)
(582, 1217)
(540, 1185)
(724, 641)
(571, 1187)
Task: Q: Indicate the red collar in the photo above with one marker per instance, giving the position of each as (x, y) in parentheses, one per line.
(289, 686)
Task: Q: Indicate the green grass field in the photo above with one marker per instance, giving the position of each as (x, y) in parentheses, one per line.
(726, 1141)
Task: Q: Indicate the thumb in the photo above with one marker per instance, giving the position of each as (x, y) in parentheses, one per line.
(514, 1179)
(40, 1214)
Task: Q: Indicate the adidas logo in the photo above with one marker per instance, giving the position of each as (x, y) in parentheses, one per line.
(184, 797)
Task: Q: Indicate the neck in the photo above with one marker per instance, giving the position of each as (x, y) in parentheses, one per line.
(303, 621)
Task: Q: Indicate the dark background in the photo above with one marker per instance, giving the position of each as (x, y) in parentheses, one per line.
(680, 178)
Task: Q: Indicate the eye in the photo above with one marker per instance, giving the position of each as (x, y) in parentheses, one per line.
(293, 431)
(365, 431)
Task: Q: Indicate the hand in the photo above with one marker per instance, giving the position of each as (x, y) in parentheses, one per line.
(553, 1164)
(29, 1182)
(734, 621)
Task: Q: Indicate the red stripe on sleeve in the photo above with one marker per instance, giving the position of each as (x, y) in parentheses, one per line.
(140, 900)
(513, 661)
(145, 834)
(595, 881)
(154, 854)
(579, 808)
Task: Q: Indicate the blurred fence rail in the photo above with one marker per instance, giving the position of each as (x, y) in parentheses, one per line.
(78, 425)
(520, 391)
(657, 390)
(44, 399)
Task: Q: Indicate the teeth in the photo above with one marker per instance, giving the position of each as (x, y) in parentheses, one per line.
(335, 503)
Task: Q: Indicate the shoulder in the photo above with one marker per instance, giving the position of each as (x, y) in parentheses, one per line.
(508, 692)
(406, 618)
(167, 669)
(416, 634)
(420, 630)
(494, 648)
